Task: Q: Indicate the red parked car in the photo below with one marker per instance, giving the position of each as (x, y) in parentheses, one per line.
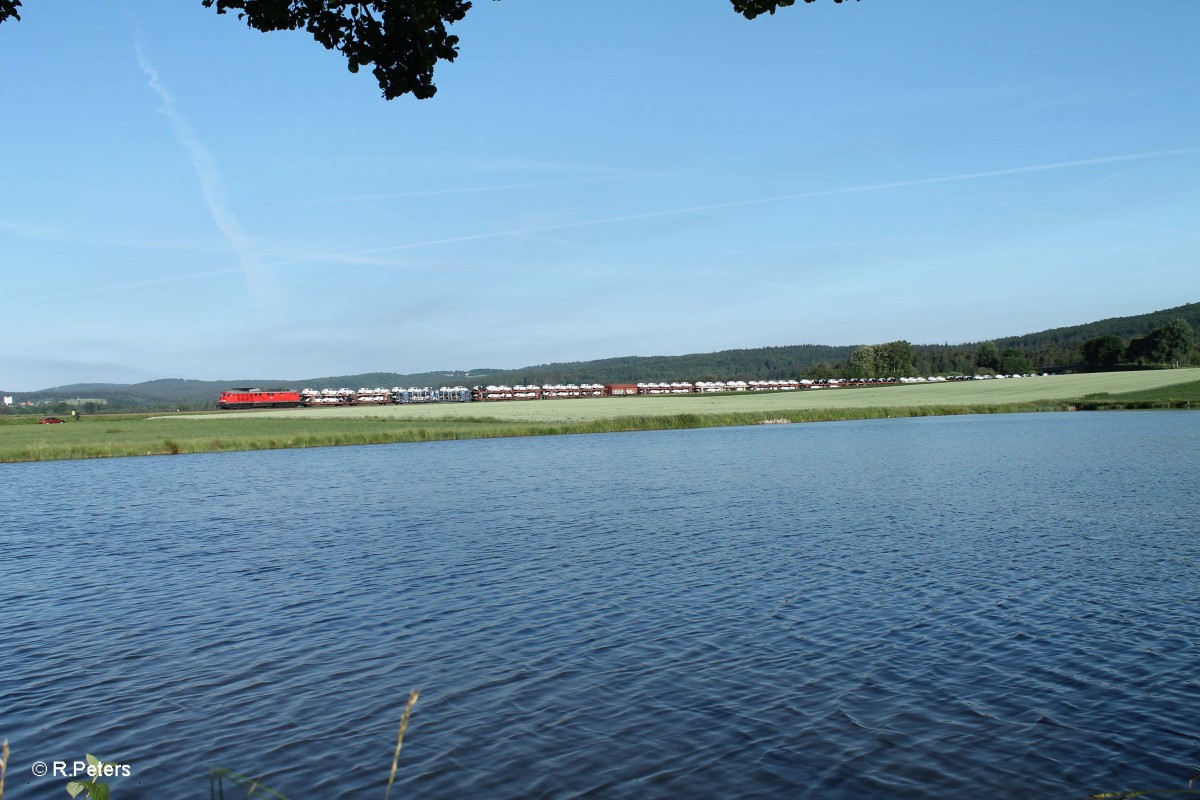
(50, 421)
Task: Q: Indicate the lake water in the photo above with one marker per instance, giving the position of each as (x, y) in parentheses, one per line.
(947, 607)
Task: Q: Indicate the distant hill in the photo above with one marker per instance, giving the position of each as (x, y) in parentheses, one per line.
(1125, 327)
(1057, 347)
(190, 394)
(1054, 349)
(761, 363)
(389, 379)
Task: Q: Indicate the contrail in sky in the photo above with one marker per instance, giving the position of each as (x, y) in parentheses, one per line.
(363, 199)
(674, 212)
(481, 189)
(204, 166)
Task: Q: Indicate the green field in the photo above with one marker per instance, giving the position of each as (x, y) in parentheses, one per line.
(100, 436)
(990, 392)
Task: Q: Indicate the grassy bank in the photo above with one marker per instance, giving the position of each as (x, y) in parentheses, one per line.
(129, 435)
(166, 436)
(1182, 395)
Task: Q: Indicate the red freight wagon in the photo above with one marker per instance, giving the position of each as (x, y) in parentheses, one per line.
(247, 397)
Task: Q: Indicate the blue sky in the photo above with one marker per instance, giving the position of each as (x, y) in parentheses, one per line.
(181, 196)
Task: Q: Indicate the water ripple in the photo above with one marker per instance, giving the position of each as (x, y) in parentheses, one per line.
(975, 606)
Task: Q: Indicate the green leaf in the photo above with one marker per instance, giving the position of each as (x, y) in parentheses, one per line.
(74, 788)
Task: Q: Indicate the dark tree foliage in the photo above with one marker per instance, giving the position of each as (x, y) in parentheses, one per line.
(404, 39)
(1175, 341)
(1169, 344)
(1103, 351)
(1140, 349)
(863, 362)
(1014, 362)
(943, 360)
(988, 356)
(894, 359)
(823, 371)
(752, 8)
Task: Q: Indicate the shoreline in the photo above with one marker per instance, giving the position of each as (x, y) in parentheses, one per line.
(127, 435)
(339, 432)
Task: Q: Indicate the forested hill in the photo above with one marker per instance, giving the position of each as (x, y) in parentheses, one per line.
(1054, 349)
(1125, 327)
(760, 363)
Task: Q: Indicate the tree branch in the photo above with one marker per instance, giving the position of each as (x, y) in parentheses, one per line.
(8, 8)
(403, 39)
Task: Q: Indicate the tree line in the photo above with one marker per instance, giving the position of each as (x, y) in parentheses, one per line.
(1173, 345)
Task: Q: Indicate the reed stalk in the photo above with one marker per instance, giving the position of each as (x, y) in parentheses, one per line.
(412, 700)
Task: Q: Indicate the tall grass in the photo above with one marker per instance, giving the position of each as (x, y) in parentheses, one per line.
(412, 701)
(1181, 395)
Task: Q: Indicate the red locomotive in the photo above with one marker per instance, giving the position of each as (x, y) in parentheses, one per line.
(253, 397)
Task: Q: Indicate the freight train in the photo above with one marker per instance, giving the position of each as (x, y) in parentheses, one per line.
(252, 397)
